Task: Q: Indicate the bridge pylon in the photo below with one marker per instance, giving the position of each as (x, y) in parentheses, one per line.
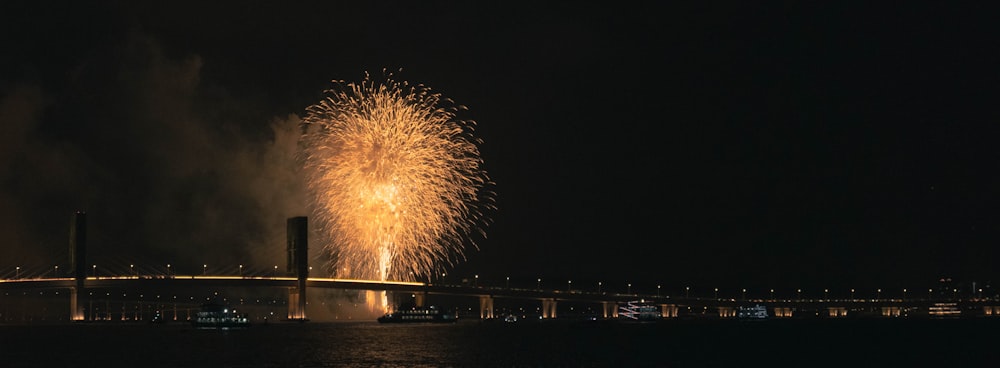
(548, 308)
(298, 264)
(78, 263)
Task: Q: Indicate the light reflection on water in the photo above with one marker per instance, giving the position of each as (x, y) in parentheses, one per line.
(496, 344)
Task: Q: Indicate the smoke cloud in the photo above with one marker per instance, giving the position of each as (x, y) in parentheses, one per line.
(169, 168)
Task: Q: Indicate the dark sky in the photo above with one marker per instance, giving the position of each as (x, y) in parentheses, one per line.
(728, 145)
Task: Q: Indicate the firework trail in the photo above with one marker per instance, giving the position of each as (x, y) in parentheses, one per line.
(397, 183)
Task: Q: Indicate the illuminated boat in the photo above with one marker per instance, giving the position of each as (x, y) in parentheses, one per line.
(419, 315)
(944, 310)
(639, 310)
(219, 316)
(755, 312)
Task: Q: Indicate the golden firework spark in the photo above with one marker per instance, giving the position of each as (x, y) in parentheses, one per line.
(397, 182)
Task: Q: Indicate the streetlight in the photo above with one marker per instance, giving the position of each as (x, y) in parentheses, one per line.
(57, 270)
(904, 294)
(95, 270)
(687, 292)
(204, 269)
(569, 285)
(476, 282)
(168, 269)
(772, 294)
(131, 269)
(657, 291)
(629, 289)
(241, 270)
(508, 282)
(275, 273)
(539, 286)
(825, 292)
(716, 293)
(17, 272)
(798, 294)
(852, 294)
(878, 294)
(598, 287)
(744, 294)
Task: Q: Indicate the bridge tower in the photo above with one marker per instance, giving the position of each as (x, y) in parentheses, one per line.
(298, 265)
(78, 262)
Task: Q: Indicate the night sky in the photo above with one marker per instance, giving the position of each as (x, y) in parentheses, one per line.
(731, 145)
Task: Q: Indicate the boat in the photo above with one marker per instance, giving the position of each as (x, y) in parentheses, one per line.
(639, 310)
(419, 315)
(752, 313)
(219, 316)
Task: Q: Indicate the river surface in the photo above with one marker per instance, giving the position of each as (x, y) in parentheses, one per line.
(551, 343)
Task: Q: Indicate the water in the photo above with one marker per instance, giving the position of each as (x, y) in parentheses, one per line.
(700, 343)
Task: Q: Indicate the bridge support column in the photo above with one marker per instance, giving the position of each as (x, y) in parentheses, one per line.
(783, 312)
(548, 308)
(837, 311)
(890, 311)
(991, 310)
(668, 310)
(295, 311)
(75, 309)
(420, 298)
(727, 312)
(609, 309)
(485, 307)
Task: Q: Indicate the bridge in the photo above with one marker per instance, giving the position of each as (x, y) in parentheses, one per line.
(78, 293)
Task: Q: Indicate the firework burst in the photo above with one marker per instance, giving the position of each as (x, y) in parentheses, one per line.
(396, 180)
